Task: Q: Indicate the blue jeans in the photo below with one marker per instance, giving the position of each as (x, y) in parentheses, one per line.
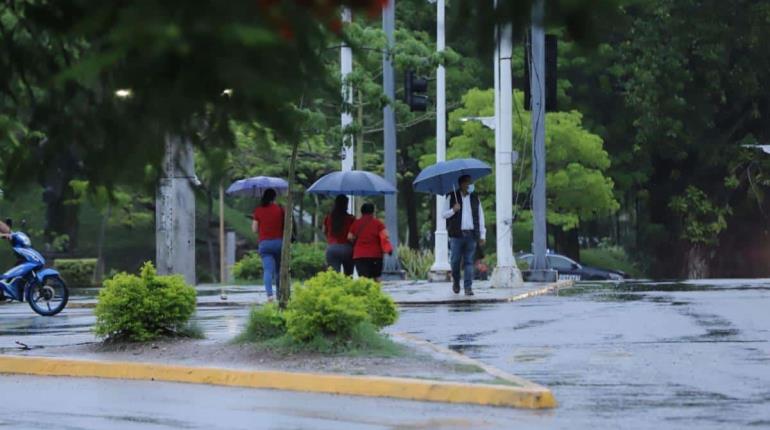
(270, 251)
(463, 251)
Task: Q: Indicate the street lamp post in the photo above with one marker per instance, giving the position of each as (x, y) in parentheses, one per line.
(441, 270)
(346, 67)
(506, 274)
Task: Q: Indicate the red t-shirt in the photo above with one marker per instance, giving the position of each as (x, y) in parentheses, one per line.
(367, 231)
(270, 221)
(342, 237)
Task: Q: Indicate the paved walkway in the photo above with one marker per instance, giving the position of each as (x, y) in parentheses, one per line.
(403, 292)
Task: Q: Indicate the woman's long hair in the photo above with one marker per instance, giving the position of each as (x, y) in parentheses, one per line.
(338, 214)
(268, 197)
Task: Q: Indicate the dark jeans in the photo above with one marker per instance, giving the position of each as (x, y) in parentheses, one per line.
(270, 251)
(463, 251)
(369, 267)
(340, 255)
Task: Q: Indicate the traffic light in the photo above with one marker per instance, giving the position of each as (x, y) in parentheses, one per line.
(415, 88)
(551, 51)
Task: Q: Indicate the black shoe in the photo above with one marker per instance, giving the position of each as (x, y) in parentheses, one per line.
(456, 287)
(468, 292)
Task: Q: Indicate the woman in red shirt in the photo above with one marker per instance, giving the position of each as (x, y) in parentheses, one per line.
(268, 224)
(367, 249)
(339, 250)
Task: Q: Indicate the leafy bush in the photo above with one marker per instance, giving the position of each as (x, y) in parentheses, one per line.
(611, 257)
(144, 307)
(77, 272)
(248, 268)
(332, 305)
(417, 263)
(265, 322)
(380, 307)
(306, 261)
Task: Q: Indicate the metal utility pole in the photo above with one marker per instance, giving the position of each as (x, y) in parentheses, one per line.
(539, 269)
(441, 270)
(506, 273)
(175, 211)
(346, 67)
(391, 264)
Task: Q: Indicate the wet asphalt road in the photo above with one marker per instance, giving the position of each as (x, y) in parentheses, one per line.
(50, 403)
(693, 355)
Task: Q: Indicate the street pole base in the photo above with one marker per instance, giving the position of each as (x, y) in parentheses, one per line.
(440, 275)
(507, 277)
(541, 275)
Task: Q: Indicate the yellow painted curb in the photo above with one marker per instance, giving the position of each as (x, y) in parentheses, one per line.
(370, 386)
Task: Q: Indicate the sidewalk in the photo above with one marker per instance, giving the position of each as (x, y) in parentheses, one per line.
(405, 293)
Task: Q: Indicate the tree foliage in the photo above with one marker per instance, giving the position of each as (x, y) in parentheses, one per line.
(577, 188)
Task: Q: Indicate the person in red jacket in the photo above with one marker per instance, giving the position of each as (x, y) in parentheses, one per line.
(268, 224)
(365, 234)
(339, 250)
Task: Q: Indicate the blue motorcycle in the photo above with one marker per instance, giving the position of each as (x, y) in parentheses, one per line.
(30, 281)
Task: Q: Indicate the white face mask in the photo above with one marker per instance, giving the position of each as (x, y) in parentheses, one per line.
(471, 188)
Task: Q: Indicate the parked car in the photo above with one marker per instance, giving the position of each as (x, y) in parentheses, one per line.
(570, 269)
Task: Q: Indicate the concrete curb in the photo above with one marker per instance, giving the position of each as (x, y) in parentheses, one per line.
(369, 386)
(454, 355)
(548, 289)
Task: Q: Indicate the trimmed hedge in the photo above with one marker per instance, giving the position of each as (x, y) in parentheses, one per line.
(145, 307)
(77, 272)
(332, 305)
(307, 260)
(329, 309)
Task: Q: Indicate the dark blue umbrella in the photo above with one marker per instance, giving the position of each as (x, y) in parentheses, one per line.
(254, 187)
(441, 178)
(352, 183)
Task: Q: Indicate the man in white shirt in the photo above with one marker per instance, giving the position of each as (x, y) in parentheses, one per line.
(465, 225)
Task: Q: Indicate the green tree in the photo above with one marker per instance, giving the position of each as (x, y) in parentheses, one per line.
(577, 188)
(697, 85)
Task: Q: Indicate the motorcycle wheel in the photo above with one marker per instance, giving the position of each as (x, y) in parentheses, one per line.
(48, 298)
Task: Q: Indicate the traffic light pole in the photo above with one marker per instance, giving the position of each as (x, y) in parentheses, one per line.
(539, 270)
(391, 265)
(440, 270)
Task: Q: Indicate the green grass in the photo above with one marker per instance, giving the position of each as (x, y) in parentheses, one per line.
(468, 368)
(610, 258)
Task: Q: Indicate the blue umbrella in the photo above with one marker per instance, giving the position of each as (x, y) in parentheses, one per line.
(352, 183)
(441, 178)
(254, 187)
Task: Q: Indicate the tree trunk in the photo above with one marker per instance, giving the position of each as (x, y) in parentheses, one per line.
(697, 262)
(407, 191)
(209, 241)
(62, 217)
(301, 220)
(316, 218)
(566, 242)
(99, 269)
(284, 289)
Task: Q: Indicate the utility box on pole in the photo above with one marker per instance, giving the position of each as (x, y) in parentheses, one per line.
(175, 211)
